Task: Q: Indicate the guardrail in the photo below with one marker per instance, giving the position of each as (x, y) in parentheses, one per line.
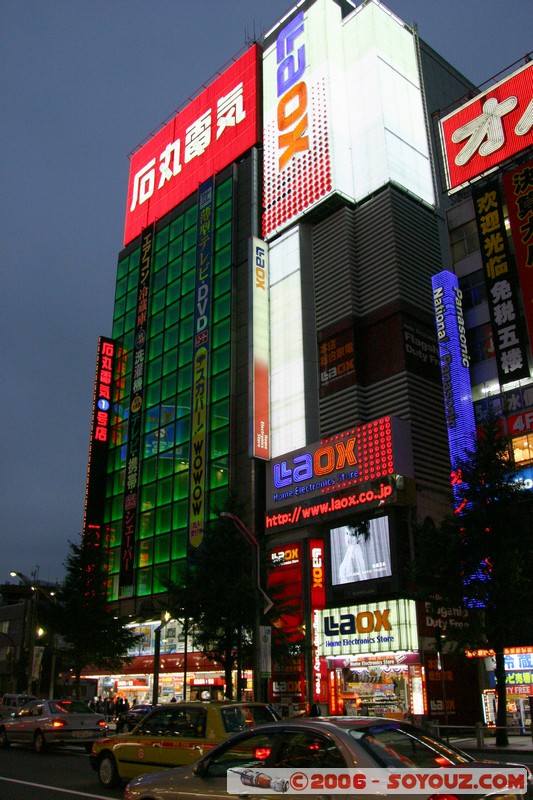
(479, 731)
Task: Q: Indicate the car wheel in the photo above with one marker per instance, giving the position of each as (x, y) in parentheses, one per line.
(39, 742)
(107, 771)
(4, 741)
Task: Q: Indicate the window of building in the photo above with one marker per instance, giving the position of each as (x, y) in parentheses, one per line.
(480, 343)
(464, 240)
(523, 449)
(474, 289)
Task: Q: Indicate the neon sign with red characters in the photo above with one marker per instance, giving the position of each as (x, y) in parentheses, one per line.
(212, 131)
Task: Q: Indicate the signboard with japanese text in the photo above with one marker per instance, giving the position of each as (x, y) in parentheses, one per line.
(201, 359)
(130, 513)
(213, 130)
(337, 360)
(95, 491)
(487, 130)
(519, 193)
(500, 279)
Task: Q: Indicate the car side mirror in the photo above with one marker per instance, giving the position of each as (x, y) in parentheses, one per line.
(200, 769)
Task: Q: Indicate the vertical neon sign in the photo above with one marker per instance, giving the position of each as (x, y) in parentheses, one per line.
(455, 368)
(99, 443)
(260, 282)
(133, 452)
(200, 378)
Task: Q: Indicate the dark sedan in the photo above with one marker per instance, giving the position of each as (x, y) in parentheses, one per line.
(129, 719)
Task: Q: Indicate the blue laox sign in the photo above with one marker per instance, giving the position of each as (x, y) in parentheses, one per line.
(314, 465)
(365, 454)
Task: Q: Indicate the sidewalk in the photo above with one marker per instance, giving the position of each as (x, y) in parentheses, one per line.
(517, 744)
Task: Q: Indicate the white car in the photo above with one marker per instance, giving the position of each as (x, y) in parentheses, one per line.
(43, 723)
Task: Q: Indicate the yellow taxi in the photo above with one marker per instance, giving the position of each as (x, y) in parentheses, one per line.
(172, 735)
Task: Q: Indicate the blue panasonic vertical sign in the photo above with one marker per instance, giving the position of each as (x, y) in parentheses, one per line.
(455, 368)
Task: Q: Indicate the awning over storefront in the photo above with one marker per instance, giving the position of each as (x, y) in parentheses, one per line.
(144, 665)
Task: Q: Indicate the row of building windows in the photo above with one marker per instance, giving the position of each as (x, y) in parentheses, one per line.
(165, 446)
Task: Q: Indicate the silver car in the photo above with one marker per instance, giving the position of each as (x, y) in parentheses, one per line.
(321, 743)
(43, 723)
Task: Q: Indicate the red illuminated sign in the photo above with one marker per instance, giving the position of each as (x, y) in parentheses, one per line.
(212, 131)
(368, 453)
(317, 573)
(104, 380)
(492, 127)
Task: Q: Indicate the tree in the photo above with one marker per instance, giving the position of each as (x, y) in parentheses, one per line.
(219, 599)
(483, 556)
(90, 631)
(218, 596)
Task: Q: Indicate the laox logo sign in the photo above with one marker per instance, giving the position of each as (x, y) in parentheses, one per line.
(318, 583)
(364, 622)
(324, 460)
(292, 106)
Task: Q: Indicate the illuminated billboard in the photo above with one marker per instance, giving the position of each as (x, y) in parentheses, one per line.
(492, 127)
(100, 433)
(202, 344)
(455, 365)
(370, 628)
(213, 130)
(137, 399)
(500, 279)
(343, 110)
(260, 282)
(360, 552)
(519, 192)
(371, 452)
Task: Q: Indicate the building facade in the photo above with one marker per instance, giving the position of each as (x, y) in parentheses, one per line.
(274, 342)
(489, 177)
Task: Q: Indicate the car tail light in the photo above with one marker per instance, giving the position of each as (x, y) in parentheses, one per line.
(102, 723)
(58, 723)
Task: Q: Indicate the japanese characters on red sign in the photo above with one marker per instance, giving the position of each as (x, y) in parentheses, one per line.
(103, 398)
(492, 127)
(212, 131)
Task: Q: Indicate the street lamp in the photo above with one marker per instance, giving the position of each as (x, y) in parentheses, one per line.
(267, 602)
(165, 619)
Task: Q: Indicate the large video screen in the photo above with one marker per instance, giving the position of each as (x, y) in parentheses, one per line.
(360, 552)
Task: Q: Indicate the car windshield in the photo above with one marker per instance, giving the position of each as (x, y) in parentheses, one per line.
(237, 718)
(396, 747)
(176, 720)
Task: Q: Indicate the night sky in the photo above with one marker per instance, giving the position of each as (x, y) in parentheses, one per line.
(82, 84)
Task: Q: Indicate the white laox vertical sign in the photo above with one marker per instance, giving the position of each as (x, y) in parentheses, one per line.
(260, 350)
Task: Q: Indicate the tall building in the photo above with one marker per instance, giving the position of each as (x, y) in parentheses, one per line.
(487, 146)
(274, 340)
